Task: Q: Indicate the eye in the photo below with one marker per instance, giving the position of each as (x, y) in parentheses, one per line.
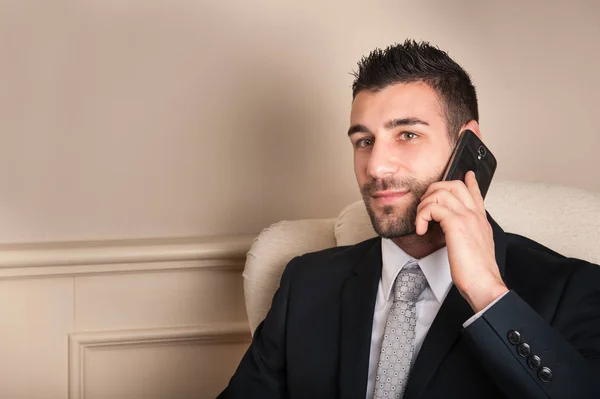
(408, 136)
(363, 143)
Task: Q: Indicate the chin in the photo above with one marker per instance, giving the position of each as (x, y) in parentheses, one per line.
(392, 232)
(392, 221)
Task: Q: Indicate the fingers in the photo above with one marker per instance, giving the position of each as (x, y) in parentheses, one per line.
(457, 188)
(431, 211)
(445, 198)
(473, 187)
(468, 193)
(449, 198)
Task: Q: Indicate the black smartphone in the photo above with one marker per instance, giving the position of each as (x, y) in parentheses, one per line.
(471, 154)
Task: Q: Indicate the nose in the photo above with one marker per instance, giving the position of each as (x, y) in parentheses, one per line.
(382, 162)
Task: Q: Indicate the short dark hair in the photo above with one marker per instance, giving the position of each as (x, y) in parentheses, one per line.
(414, 61)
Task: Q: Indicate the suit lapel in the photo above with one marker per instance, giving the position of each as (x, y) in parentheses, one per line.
(443, 333)
(359, 294)
(447, 327)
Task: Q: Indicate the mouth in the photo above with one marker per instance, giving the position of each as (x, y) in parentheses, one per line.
(388, 196)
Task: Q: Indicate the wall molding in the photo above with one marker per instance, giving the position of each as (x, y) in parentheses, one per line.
(74, 258)
(82, 343)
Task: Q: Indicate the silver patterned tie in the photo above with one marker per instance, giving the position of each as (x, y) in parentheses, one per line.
(398, 346)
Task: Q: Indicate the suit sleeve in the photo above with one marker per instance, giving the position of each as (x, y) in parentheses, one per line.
(262, 372)
(528, 357)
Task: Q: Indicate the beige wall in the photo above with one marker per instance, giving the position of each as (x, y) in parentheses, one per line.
(145, 118)
(130, 319)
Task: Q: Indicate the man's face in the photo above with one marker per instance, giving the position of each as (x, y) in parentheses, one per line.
(401, 146)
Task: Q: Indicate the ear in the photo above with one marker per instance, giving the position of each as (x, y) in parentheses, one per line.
(473, 126)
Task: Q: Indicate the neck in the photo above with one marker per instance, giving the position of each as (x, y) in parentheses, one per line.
(420, 246)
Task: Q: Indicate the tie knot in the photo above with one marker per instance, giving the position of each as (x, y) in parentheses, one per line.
(410, 283)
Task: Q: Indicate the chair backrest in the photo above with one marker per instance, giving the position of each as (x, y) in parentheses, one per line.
(564, 219)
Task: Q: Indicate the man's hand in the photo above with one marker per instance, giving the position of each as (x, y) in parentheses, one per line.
(460, 211)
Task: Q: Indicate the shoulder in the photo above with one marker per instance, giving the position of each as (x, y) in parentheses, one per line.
(530, 261)
(522, 247)
(333, 260)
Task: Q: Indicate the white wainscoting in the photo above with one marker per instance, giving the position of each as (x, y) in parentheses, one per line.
(122, 319)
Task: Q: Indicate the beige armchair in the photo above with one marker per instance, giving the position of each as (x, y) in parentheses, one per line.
(564, 219)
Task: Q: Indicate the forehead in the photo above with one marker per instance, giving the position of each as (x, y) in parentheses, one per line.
(402, 100)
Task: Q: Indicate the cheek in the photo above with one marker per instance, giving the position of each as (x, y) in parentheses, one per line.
(361, 161)
(433, 164)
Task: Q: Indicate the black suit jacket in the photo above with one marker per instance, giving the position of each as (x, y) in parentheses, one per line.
(315, 340)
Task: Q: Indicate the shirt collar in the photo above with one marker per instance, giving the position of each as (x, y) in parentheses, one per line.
(435, 267)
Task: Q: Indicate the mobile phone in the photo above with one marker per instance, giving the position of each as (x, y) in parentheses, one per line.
(471, 154)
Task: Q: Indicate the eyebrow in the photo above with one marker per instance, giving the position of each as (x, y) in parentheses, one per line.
(388, 125)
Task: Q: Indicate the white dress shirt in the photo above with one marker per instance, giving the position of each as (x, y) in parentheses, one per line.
(436, 269)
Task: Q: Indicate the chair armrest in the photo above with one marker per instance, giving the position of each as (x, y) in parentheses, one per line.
(271, 251)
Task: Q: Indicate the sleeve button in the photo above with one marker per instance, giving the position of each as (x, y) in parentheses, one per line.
(534, 362)
(524, 349)
(514, 337)
(545, 374)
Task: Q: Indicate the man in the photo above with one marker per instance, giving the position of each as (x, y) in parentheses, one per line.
(444, 304)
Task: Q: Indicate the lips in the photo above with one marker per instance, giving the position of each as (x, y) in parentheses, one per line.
(388, 196)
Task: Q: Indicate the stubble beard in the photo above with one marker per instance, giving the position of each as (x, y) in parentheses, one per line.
(395, 221)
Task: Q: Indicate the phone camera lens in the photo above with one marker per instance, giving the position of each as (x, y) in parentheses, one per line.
(481, 152)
